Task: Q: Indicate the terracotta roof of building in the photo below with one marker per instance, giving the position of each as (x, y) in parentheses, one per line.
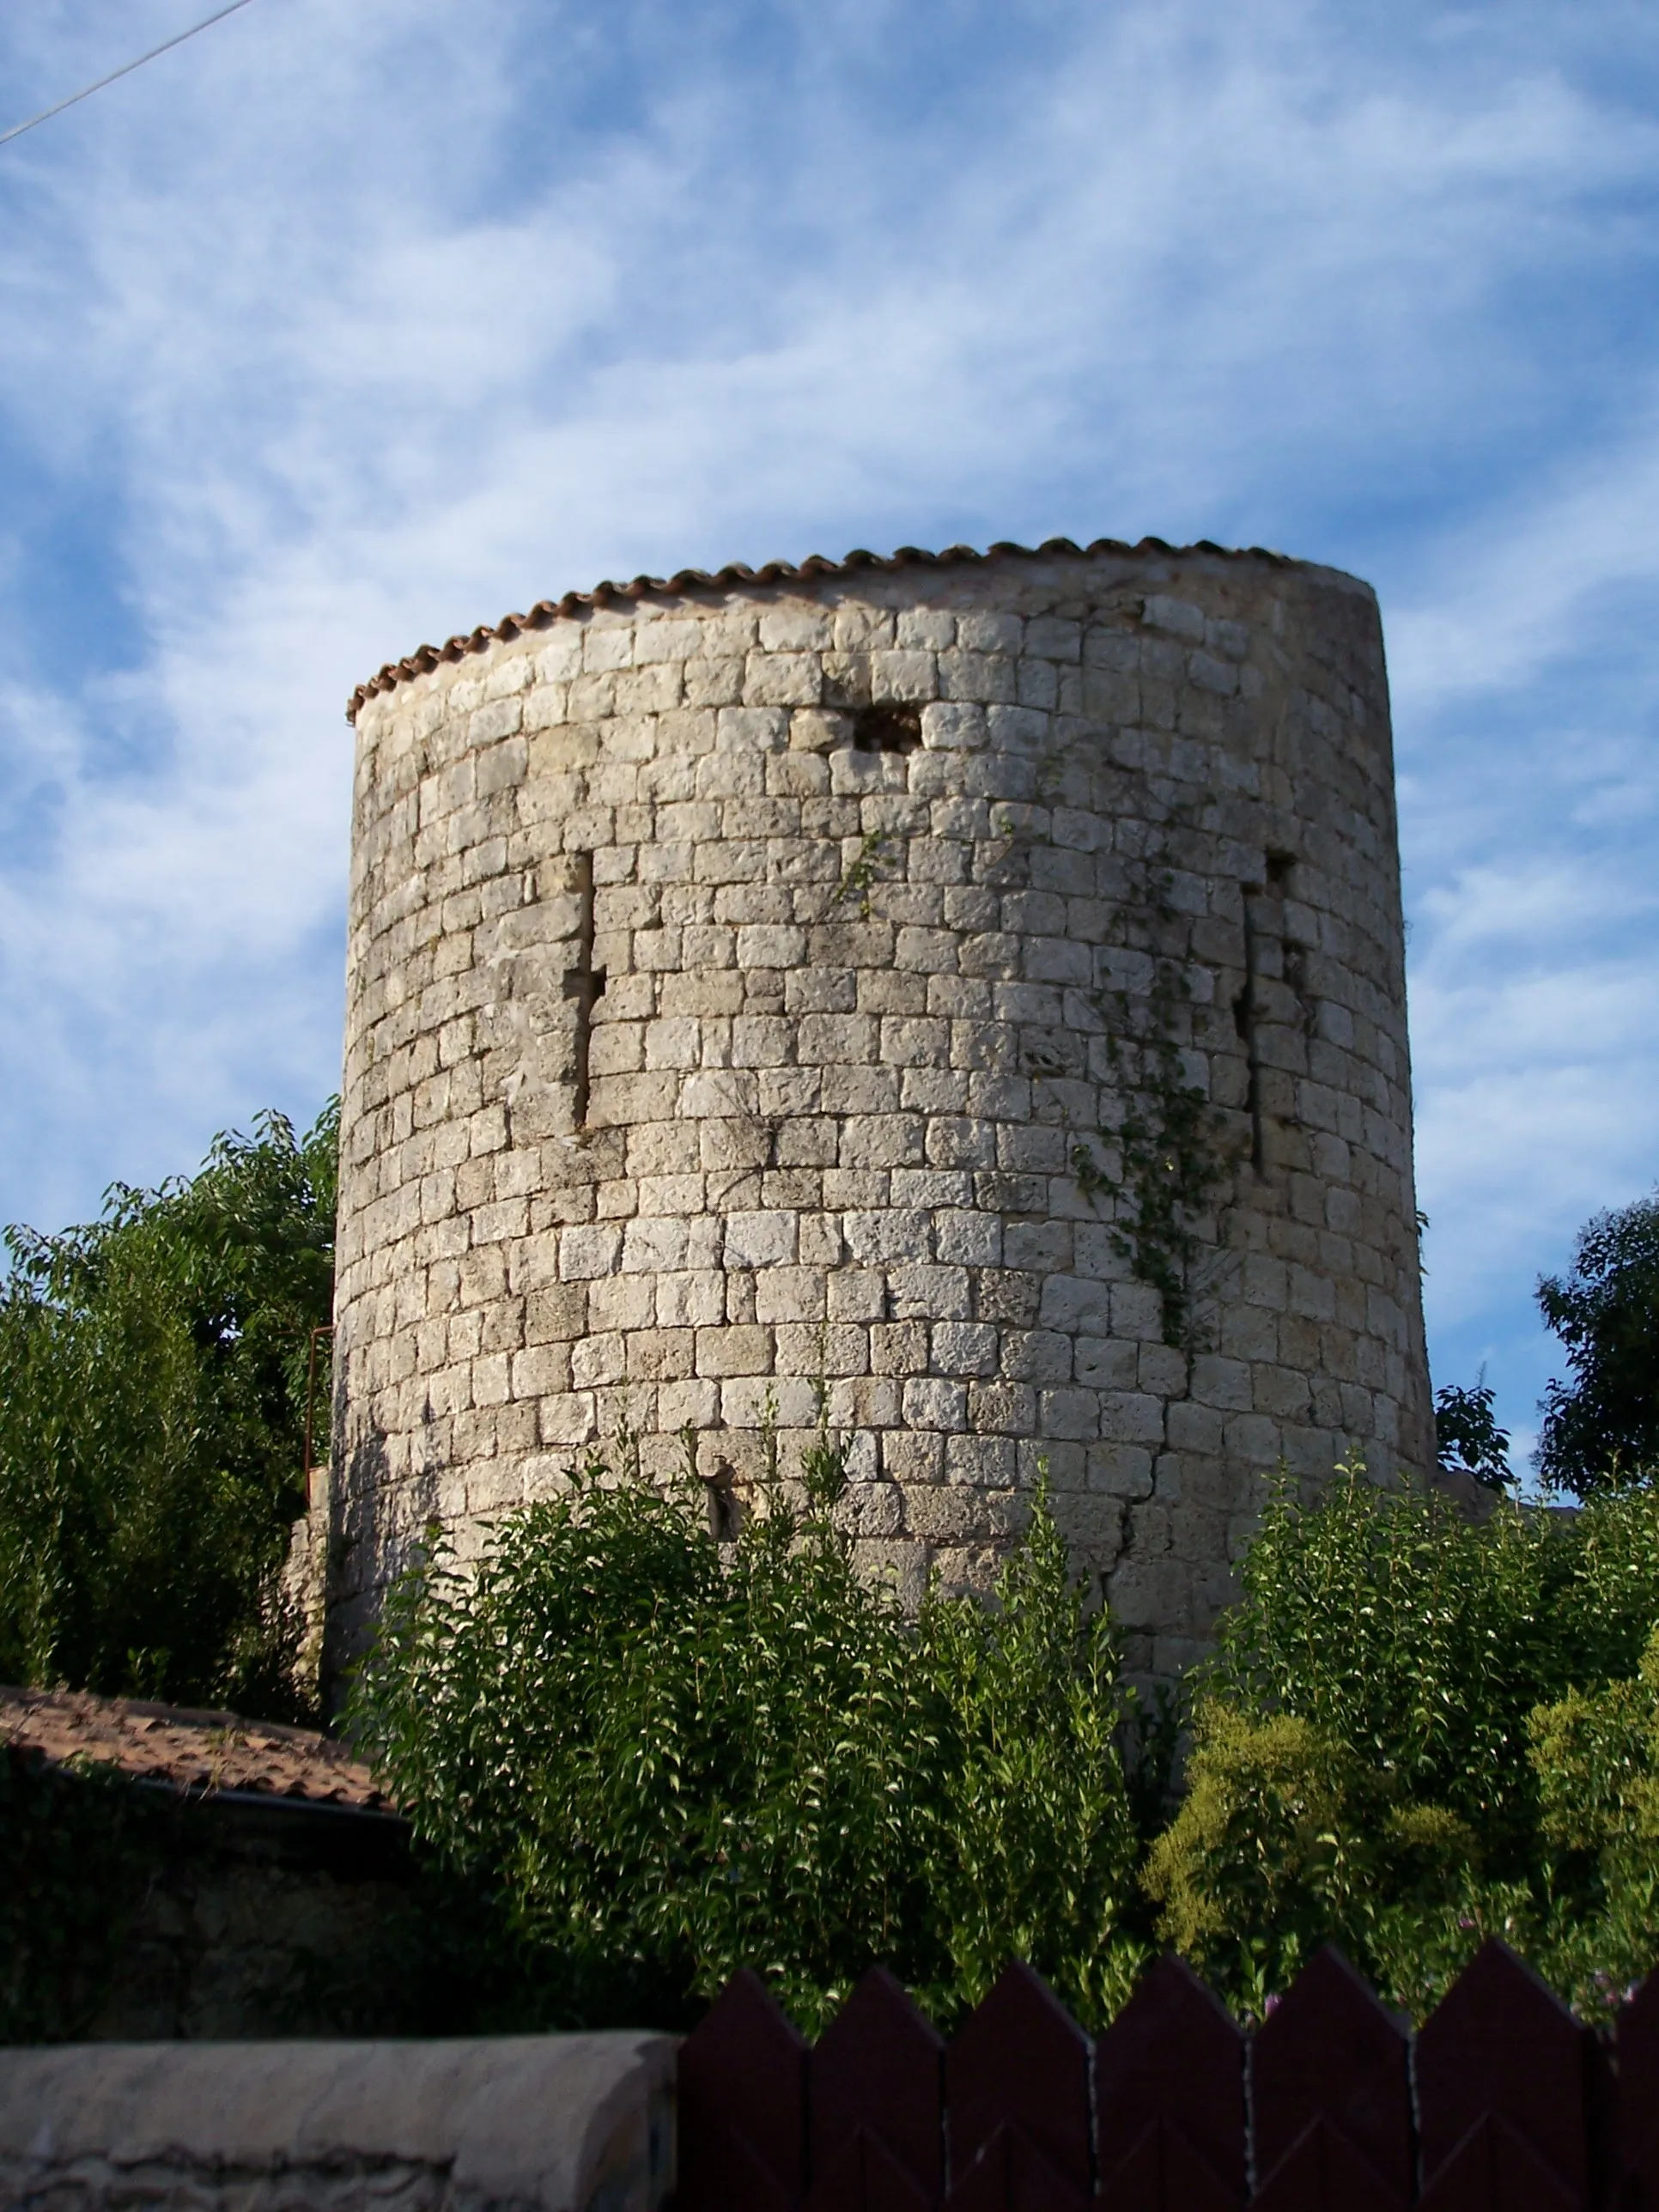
(199, 1754)
(812, 570)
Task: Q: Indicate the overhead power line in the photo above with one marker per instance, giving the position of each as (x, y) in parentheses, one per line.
(125, 70)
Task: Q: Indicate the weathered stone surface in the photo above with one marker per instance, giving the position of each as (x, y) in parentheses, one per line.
(561, 2123)
(759, 986)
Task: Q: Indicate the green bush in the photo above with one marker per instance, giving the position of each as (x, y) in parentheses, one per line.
(1404, 1712)
(1286, 1839)
(1394, 1626)
(667, 1762)
(650, 1757)
(1596, 1756)
(153, 1380)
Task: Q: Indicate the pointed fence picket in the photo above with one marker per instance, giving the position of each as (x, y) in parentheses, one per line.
(1169, 2111)
(1330, 2081)
(876, 2130)
(1503, 2102)
(1635, 2103)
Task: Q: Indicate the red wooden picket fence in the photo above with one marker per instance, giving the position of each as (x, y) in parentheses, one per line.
(1503, 2102)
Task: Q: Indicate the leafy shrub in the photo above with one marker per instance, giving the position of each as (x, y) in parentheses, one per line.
(668, 1762)
(1609, 1600)
(1031, 1842)
(658, 1758)
(1593, 1752)
(1597, 1757)
(1288, 1839)
(1393, 1626)
(154, 1376)
(1402, 1711)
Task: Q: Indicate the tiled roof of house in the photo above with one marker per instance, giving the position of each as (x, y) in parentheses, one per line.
(813, 569)
(198, 1752)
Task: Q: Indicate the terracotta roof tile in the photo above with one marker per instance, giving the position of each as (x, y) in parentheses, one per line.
(204, 1754)
(812, 570)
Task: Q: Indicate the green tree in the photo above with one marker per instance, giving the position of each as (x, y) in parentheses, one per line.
(666, 1761)
(1596, 1756)
(1382, 1748)
(1601, 1429)
(153, 1381)
(1391, 1624)
(1285, 1839)
(1467, 1436)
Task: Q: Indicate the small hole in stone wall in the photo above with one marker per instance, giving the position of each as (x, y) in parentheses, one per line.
(1278, 871)
(887, 729)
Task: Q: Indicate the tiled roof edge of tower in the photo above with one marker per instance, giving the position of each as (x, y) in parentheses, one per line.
(425, 658)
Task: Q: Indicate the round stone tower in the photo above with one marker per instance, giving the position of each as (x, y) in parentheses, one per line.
(960, 997)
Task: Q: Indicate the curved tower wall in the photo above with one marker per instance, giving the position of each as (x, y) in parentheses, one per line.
(973, 987)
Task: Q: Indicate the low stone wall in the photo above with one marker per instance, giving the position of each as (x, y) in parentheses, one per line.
(563, 2123)
(263, 1919)
(131, 1911)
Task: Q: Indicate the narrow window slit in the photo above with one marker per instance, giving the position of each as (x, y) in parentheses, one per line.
(1248, 1006)
(585, 983)
(1245, 1009)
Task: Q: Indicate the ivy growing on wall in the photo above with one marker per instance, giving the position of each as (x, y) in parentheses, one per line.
(1169, 1166)
(860, 878)
(1168, 1160)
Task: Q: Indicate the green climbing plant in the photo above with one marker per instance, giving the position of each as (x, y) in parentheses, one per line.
(1168, 1160)
(860, 876)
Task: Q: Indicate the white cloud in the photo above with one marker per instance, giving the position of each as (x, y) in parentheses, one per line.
(1555, 568)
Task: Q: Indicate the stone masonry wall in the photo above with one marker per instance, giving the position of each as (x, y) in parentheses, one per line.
(974, 988)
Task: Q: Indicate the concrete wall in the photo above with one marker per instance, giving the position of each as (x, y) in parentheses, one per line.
(562, 2124)
(910, 887)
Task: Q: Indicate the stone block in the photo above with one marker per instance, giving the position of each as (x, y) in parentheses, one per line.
(904, 677)
(789, 1294)
(964, 1348)
(586, 1253)
(741, 1350)
(760, 1240)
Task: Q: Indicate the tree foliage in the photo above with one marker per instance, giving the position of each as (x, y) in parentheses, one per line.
(154, 1374)
(1403, 1711)
(1600, 1430)
(640, 1756)
(1389, 1623)
(1596, 1756)
(1287, 1837)
(1467, 1437)
(669, 1761)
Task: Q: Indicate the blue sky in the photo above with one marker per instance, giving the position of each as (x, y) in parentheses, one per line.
(340, 328)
